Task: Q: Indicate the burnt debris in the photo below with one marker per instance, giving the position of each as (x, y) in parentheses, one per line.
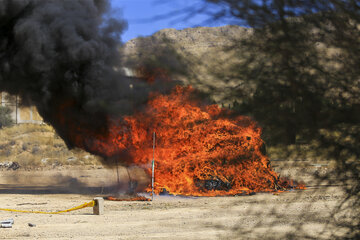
(213, 184)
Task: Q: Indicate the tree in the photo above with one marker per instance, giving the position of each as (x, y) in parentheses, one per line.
(303, 59)
(295, 57)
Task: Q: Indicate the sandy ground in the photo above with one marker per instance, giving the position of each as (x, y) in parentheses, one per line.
(289, 215)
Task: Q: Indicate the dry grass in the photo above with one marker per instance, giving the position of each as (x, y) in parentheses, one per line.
(317, 153)
(304, 155)
(33, 145)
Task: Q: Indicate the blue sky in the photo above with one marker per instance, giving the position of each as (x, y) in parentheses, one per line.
(140, 14)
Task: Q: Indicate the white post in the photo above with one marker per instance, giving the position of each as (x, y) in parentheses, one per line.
(98, 208)
(153, 169)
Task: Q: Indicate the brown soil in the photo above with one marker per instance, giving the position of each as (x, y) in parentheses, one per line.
(289, 215)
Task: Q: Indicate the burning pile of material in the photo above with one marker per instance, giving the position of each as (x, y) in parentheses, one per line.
(201, 150)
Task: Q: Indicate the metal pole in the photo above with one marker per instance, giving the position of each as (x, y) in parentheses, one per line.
(153, 169)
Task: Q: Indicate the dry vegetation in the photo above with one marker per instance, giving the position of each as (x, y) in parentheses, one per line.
(34, 146)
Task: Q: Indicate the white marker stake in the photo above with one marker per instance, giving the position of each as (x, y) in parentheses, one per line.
(153, 169)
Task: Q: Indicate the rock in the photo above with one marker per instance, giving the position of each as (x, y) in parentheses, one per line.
(5, 164)
(56, 164)
(14, 166)
(7, 223)
(10, 165)
(44, 160)
(71, 159)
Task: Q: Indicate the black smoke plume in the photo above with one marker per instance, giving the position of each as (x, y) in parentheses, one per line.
(64, 57)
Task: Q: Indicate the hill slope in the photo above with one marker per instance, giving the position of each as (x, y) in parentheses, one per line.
(193, 55)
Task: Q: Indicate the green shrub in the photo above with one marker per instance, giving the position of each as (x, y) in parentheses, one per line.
(5, 117)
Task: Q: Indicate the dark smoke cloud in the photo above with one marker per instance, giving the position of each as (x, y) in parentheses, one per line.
(62, 56)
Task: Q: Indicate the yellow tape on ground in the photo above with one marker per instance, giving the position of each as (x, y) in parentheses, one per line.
(88, 204)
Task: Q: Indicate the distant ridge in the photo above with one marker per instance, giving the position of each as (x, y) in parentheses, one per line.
(197, 40)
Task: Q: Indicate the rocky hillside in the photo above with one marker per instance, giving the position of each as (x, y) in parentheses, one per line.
(193, 55)
(205, 58)
(196, 41)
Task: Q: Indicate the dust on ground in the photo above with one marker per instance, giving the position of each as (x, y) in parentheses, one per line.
(289, 215)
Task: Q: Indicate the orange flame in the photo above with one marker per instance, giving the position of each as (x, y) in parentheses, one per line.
(200, 150)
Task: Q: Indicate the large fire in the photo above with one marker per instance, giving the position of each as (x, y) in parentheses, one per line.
(201, 150)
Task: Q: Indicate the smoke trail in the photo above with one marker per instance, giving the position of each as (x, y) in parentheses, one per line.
(62, 56)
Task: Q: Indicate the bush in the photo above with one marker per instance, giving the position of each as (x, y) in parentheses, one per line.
(5, 117)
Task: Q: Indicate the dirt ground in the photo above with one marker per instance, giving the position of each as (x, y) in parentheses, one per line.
(289, 215)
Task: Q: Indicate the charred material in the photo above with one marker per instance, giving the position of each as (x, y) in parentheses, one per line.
(213, 184)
